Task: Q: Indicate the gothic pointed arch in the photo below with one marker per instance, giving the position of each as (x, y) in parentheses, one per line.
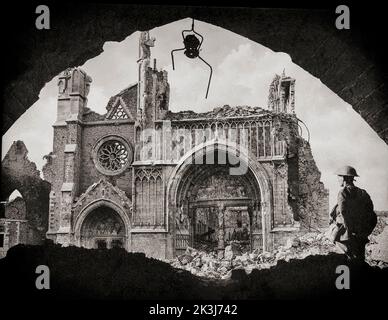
(102, 221)
(103, 192)
(251, 190)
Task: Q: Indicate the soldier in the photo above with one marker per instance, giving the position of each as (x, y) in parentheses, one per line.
(353, 218)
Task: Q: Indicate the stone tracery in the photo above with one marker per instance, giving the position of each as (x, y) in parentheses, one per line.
(113, 155)
(120, 113)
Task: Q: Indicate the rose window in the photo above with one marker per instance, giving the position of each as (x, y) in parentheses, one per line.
(113, 156)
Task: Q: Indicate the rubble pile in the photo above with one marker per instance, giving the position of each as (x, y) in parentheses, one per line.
(215, 266)
(377, 248)
(211, 265)
(219, 112)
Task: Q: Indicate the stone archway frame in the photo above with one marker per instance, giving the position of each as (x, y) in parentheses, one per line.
(102, 203)
(261, 176)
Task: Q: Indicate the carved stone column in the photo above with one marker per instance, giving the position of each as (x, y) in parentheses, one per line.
(221, 232)
(167, 140)
(191, 214)
(264, 218)
(250, 213)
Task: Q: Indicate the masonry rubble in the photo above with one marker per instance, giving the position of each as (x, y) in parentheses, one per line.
(377, 248)
(210, 265)
(219, 112)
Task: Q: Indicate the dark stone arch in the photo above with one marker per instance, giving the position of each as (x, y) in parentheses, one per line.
(103, 224)
(349, 62)
(257, 178)
(102, 208)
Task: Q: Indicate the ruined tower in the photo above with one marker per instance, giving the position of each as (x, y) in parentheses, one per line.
(73, 88)
(153, 88)
(281, 97)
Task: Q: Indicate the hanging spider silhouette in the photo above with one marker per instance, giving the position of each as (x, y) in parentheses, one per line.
(192, 48)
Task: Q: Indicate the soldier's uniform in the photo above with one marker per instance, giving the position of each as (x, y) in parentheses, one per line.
(355, 216)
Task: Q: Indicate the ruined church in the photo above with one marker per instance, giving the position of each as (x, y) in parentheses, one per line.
(146, 179)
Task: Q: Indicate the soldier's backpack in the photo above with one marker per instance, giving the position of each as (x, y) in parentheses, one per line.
(368, 217)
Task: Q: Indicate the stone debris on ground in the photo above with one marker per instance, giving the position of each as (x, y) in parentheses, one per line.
(377, 248)
(210, 265)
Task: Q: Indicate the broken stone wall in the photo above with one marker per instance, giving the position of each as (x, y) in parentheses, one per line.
(128, 96)
(283, 177)
(307, 195)
(157, 96)
(18, 172)
(15, 209)
(283, 214)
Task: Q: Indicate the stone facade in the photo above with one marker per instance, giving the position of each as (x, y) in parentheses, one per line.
(147, 179)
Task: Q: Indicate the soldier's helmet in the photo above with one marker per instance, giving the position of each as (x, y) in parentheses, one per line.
(347, 171)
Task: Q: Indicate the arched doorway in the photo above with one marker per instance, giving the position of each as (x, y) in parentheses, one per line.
(213, 207)
(103, 228)
(222, 207)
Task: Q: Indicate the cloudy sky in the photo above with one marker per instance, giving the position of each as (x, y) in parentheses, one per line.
(242, 72)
